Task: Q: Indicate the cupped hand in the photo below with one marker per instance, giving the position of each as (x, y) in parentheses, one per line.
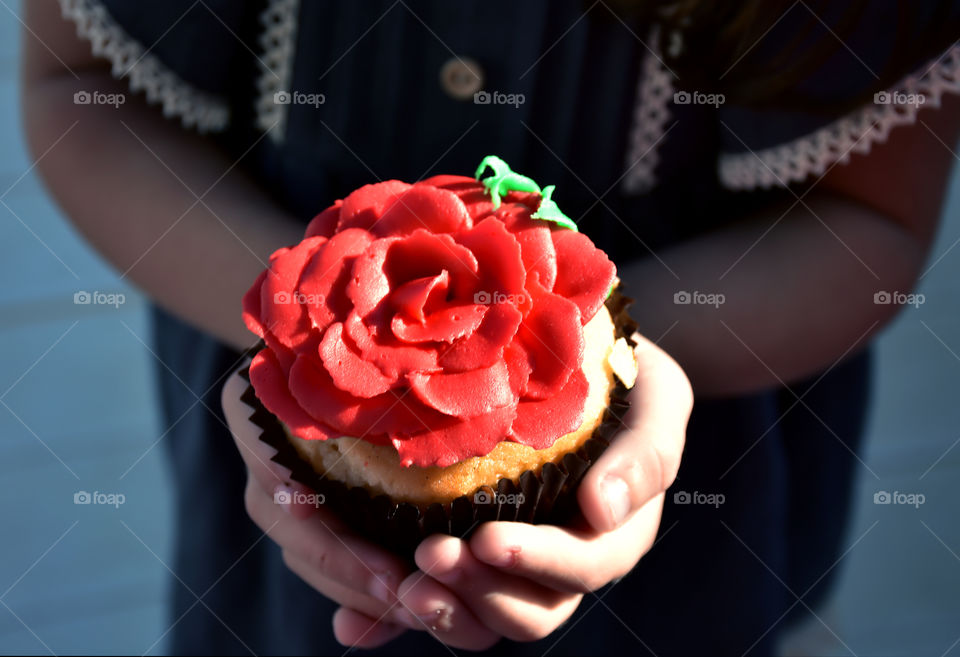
(512, 580)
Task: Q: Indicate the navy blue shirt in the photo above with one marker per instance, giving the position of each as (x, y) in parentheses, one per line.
(639, 169)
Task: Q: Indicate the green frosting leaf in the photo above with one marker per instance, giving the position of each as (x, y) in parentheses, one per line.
(549, 211)
(504, 180)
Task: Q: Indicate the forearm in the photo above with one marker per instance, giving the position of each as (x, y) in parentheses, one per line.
(140, 209)
(794, 301)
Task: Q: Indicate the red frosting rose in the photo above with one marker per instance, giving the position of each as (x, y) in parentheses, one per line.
(419, 316)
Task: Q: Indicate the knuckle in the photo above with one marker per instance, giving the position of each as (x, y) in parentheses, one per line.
(318, 557)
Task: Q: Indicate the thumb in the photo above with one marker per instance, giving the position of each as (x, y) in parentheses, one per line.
(272, 478)
(643, 459)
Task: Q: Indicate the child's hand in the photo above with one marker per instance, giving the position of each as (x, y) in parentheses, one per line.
(522, 581)
(510, 580)
(316, 546)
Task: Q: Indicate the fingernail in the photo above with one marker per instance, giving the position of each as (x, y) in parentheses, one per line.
(616, 495)
(379, 587)
(283, 497)
(437, 620)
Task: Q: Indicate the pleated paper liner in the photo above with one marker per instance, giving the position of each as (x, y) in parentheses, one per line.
(548, 497)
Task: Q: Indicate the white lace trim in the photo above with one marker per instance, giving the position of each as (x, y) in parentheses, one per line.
(279, 44)
(855, 133)
(195, 108)
(650, 115)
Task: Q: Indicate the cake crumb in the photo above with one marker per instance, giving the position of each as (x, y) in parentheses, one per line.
(624, 362)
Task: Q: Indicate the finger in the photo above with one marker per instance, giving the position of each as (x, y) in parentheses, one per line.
(345, 596)
(274, 479)
(351, 628)
(326, 548)
(429, 606)
(643, 460)
(564, 559)
(514, 607)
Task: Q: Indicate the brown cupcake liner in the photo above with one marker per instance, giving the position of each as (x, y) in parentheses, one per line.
(549, 497)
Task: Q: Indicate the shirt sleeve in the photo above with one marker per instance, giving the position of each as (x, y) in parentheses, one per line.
(183, 56)
(847, 105)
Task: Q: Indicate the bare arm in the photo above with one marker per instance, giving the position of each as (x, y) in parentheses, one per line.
(802, 296)
(139, 208)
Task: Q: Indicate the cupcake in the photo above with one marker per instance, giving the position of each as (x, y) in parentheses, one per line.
(440, 353)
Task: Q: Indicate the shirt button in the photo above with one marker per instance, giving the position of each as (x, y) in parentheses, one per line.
(461, 77)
